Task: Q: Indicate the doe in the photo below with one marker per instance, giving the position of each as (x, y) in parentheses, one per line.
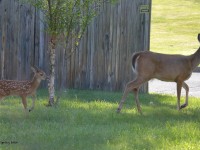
(23, 88)
(172, 68)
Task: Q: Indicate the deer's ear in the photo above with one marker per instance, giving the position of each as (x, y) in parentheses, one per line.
(33, 69)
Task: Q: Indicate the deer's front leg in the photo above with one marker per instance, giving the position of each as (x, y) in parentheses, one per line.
(185, 86)
(24, 102)
(33, 102)
(179, 86)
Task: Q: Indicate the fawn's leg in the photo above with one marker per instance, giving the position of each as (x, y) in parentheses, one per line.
(33, 102)
(24, 103)
(1, 97)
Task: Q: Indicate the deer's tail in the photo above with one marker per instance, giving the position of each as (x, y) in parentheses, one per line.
(134, 59)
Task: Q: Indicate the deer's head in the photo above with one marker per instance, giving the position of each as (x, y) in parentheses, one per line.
(39, 74)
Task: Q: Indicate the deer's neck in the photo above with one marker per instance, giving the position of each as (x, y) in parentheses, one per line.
(35, 82)
(195, 61)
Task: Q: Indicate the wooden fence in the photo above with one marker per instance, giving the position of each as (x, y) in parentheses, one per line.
(102, 61)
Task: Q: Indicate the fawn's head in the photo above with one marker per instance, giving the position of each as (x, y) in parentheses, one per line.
(39, 74)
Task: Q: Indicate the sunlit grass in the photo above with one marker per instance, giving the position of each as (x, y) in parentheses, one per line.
(88, 120)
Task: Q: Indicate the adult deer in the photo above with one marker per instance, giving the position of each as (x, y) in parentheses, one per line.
(173, 68)
(23, 88)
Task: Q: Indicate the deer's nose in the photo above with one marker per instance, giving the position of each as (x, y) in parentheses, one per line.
(47, 77)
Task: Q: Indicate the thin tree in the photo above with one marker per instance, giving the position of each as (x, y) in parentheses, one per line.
(66, 21)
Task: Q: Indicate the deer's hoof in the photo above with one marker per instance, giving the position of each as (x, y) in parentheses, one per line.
(140, 112)
(183, 106)
(118, 110)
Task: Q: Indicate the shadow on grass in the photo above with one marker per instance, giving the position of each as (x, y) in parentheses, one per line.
(107, 102)
(160, 118)
(103, 128)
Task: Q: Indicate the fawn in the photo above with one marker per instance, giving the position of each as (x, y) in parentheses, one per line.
(23, 88)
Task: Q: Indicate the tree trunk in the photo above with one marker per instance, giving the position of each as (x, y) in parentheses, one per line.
(52, 56)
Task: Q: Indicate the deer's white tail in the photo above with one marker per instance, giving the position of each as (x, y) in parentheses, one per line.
(134, 62)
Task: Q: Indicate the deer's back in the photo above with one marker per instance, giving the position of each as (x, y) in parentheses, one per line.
(11, 87)
(162, 66)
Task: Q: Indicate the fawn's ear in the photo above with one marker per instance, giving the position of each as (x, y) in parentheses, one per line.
(33, 69)
(198, 37)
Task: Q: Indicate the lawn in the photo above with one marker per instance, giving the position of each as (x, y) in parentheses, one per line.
(86, 120)
(174, 26)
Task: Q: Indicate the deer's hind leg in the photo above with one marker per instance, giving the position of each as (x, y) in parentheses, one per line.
(179, 86)
(131, 86)
(24, 102)
(1, 97)
(135, 91)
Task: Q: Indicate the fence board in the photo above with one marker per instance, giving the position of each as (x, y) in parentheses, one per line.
(102, 61)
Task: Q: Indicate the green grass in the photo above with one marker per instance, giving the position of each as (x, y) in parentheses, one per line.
(86, 120)
(175, 26)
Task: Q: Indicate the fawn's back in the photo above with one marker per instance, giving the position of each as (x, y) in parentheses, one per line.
(11, 87)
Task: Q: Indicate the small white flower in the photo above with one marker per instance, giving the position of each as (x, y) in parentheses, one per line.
(151, 103)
